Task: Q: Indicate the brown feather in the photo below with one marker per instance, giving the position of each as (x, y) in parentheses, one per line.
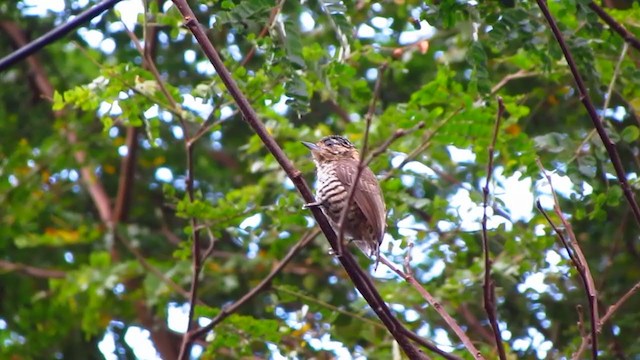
(368, 195)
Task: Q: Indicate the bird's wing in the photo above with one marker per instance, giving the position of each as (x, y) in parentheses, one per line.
(368, 195)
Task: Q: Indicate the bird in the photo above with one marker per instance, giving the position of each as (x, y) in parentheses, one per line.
(337, 161)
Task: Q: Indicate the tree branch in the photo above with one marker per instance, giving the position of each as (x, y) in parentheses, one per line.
(488, 288)
(616, 26)
(185, 347)
(265, 30)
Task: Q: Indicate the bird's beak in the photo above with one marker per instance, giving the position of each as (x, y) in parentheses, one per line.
(310, 145)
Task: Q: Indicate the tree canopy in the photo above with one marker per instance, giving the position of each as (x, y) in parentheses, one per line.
(150, 192)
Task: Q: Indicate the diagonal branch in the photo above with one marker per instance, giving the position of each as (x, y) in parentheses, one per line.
(591, 110)
(362, 282)
(228, 310)
(607, 99)
(275, 11)
(612, 309)
(55, 34)
(438, 307)
(152, 269)
(616, 26)
(488, 288)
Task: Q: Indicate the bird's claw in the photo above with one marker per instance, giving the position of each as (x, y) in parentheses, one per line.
(311, 205)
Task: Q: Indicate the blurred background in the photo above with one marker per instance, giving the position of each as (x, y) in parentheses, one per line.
(96, 222)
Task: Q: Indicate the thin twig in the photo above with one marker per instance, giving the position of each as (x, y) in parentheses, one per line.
(488, 288)
(616, 26)
(151, 66)
(438, 307)
(228, 310)
(361, 164)
(591, 110)
(580, 313)
(265, 30)
(426, 142)
(315, 300)
(522, 73)
(607, 99)
(613, 308)
(578, 259)
(362, 282)
(185, 347)
(390, 140)
(152, 269)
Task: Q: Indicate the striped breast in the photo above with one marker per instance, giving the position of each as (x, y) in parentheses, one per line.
(333, 194)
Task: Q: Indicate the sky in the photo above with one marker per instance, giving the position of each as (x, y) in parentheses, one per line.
(516, 193)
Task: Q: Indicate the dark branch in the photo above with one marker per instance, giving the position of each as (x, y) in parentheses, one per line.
(55, 34)
(265, 30)
(616, 26)
(185, 347)
(127, 173)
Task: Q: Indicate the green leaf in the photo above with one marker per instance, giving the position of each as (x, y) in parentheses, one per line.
(630, 133)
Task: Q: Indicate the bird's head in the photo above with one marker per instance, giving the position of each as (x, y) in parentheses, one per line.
(332, 148)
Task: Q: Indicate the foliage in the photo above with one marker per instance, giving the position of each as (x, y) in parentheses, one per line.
(72, 279)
